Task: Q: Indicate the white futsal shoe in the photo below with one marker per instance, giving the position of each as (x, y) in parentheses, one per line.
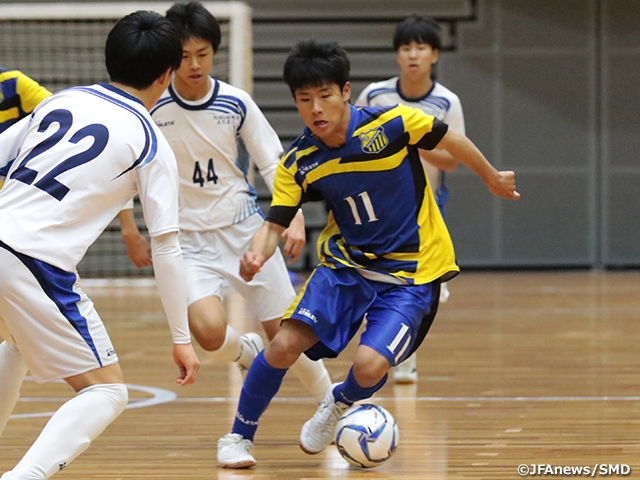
(444, 293)
(252, 345)
(407, 371)
(319, 431)
(233, 451)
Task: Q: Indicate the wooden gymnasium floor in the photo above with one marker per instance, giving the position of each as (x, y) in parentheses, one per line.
(519, 368)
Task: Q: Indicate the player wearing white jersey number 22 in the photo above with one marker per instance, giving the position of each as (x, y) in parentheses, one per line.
(69, 168)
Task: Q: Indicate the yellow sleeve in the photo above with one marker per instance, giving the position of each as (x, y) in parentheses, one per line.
(31, 92)
(425, 131)
(286, 191)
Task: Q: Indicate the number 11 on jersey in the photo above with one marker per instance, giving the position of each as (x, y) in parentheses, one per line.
(368, 206)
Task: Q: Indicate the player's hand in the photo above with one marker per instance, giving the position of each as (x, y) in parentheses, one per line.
(188, 363)
(294, 238)
(138, 250)
(250, 264)
(504, 185)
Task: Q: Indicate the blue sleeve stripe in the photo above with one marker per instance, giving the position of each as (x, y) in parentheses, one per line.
(151, 142)
(161, 103)
(378, 91)
(236, 104)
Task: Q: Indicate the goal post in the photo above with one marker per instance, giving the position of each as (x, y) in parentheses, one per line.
(51, 41)
(62, 45)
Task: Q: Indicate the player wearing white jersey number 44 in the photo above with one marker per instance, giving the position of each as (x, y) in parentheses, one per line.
(417, 45)
(69, 168)
(204, 119)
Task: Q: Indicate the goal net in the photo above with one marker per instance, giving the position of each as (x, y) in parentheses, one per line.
(62, 45)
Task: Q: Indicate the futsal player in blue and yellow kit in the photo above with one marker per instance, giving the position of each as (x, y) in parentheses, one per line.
(383, 254)
(19, 95)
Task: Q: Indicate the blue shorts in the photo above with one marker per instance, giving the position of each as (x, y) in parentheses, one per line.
(334, 303)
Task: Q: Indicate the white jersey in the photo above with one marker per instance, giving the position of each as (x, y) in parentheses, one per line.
(439, 102)
(68, 176)
(204, 135)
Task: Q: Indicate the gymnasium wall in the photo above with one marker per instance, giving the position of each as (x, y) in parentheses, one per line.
(548, 88)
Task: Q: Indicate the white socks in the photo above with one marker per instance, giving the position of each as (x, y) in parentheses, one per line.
(313, 375)
(12, 373)
(231, 349)
(70, 431)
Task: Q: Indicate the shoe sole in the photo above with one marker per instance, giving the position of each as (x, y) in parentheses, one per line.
(308, 452)
(244, 464)
(405, 381)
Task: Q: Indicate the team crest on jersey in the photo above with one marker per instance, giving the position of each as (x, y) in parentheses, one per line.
(374, 140)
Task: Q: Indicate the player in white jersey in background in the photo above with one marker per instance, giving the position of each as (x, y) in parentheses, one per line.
(70, 167)
(417, 44)
(203, 118)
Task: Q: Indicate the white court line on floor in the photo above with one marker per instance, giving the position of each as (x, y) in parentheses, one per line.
(602, 398)
(160, 396)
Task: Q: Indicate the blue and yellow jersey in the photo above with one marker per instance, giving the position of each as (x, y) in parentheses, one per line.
(19, 95)
(383, 216)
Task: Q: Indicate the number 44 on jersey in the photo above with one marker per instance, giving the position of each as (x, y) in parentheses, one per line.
(211, 173)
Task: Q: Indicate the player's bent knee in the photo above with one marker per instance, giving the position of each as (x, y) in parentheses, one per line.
(369, 373)
(209, 342)
(282, 353)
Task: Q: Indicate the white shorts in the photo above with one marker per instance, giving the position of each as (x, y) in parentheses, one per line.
(49, 319)
(212, 261)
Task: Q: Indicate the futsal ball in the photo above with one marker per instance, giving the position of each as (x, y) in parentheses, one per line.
(367, 435)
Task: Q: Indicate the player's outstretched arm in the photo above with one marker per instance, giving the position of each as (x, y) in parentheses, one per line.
(294, 238)
(263, 245)
(440, 158)
(138, 249)
(501, 184)
(168, 268)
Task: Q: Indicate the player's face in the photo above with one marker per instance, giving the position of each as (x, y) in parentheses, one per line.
(416, 59)
(192, 78)
(325, 110)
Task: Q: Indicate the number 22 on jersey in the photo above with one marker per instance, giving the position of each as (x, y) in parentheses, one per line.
(64, 119)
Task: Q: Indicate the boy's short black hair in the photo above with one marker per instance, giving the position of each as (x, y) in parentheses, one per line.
(417, 29)
(314, 63)
(140, 48)
(192, 20)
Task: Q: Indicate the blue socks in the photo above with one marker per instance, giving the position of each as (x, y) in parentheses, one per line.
(350, 392)
(261, 385)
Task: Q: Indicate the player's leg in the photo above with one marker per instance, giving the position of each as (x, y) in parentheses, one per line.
(206, 257)
(12, 373)
(208, 324)
(312, 373)
(101, 398)
(334, 303)
(406, 373)
(393, 331)
(268, 296)
(60, 335)
(263, 381)
(318, 432)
